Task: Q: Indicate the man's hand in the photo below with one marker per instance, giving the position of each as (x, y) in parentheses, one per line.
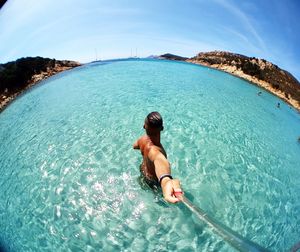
(169, 187)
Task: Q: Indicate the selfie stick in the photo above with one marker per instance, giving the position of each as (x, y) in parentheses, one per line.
(230, 236)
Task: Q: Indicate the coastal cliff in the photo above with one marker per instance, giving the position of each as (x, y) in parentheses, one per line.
(258, 71)
(17, 76)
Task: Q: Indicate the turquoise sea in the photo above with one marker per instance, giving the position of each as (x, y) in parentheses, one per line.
(69, 178)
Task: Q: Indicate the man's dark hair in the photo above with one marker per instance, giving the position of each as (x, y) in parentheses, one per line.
(155, 120)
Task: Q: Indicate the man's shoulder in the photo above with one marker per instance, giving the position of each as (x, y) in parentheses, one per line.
(155, 149)
(144, 137)
(155, 152)
(143, 140)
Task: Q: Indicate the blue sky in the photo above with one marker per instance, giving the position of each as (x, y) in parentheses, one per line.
(106, 29)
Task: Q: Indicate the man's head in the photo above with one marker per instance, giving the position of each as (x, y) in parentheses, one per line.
(153, 123)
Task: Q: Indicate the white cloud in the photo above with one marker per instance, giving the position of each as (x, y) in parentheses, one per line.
(244, 40)
(244, 20)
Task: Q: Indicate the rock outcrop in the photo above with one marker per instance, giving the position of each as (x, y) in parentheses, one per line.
(258, 71)
(17, 76)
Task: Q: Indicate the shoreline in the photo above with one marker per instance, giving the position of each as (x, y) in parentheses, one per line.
(253, 80)
(7, 99)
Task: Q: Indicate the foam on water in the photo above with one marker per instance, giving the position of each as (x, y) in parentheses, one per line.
(69, 175)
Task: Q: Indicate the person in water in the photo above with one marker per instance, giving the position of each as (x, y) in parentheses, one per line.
(155, 167)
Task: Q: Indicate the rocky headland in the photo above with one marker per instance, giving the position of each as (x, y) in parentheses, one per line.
(20, 75)
(170, 56)
(258, 71)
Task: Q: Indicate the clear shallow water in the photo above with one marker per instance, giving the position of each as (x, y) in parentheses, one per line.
(69, 175)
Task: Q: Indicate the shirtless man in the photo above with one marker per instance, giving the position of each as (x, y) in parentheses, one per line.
(155, 166)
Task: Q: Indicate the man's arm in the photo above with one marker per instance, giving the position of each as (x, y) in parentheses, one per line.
(162, 167)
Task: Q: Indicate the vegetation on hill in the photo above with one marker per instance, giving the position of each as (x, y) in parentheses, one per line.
(18, 75)
(15, 75)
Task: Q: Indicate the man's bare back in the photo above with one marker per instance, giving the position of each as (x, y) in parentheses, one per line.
(155, 166)
(147, 168)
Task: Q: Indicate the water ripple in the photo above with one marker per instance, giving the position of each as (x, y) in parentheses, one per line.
(69, 176)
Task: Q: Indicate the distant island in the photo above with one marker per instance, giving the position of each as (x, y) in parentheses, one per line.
(170, 56)
(18, 76)
(258, 71)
